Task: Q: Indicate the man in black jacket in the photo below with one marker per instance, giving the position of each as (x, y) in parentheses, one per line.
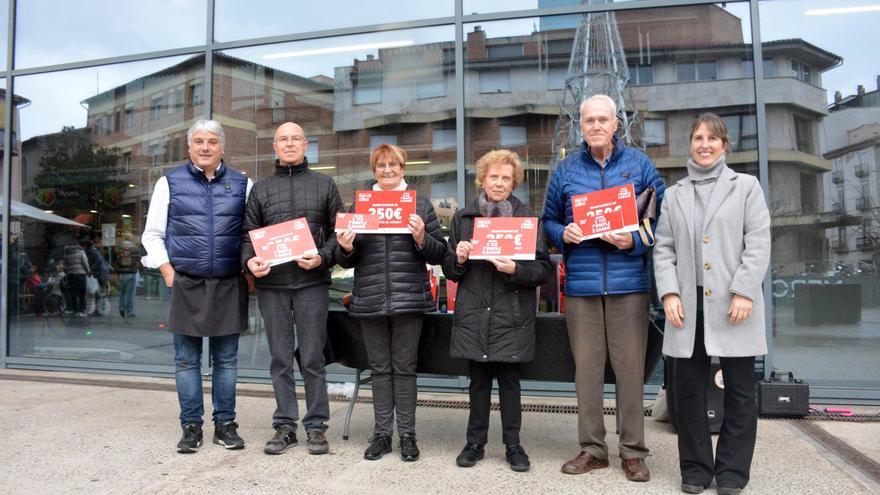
(295, 295)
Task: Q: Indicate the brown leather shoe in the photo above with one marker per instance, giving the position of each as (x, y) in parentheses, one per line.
(584, 463)
(635, 469)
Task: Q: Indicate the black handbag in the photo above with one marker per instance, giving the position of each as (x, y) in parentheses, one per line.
(646, 205)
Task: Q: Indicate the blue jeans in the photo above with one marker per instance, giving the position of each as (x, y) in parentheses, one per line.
(127, 287)
(188, 360)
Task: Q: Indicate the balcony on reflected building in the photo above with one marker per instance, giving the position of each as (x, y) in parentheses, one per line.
(865, 243)
(863, 203)
(862, 170)
(839, 246)
(837, 176)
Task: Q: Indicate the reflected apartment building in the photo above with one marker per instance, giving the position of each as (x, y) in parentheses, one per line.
(851, 140)
(682, 61)
(513, 88)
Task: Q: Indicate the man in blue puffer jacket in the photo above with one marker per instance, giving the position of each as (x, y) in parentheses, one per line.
(606, 289)
(193, 236)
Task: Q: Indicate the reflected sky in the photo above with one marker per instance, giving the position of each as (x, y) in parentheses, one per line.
(55, 97)
(238, 20)
(321, 57)
(59, 31)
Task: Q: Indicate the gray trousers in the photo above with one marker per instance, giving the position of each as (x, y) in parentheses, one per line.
(618, 325)
(392, 345)
(304, 310)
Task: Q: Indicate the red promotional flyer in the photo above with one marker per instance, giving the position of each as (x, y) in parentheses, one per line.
(509, 237)
(392, 207)
(608, 210)
(283, 242)
(359, 223)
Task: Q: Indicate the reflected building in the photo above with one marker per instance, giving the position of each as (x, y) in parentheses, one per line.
(851, 140)
(684, 62)
(145, 121)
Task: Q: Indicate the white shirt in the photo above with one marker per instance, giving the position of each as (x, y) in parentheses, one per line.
(153, 237)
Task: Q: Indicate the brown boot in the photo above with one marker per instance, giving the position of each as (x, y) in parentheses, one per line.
(584, 463)
(635, 469)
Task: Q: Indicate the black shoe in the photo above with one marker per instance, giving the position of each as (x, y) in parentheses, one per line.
(122, 313)
(191, 439)
(379, 446)
(517, 458)
(409, 451)
(317, 442)
(470, 454)
(691, 486)
(225, 434)
(285, 438)
(728, 488)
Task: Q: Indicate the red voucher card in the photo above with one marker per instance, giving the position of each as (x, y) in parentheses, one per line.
(392, 207)
(283, 242)
(608, 210)
(510, 237)
(359, 223)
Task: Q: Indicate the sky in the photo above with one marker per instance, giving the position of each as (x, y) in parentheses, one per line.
(106, 28)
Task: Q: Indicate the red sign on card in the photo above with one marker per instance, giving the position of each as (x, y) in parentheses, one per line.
(608, 210)
(283, 242)
(392, 207)
(359, 223)
(509, 237)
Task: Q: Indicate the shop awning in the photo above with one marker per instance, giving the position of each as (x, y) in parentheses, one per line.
(19, 209)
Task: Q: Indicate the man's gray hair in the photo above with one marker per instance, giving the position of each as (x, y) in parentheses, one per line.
(206, 125)
(601, 97)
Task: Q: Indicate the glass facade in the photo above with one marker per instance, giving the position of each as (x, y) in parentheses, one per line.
(90, 137)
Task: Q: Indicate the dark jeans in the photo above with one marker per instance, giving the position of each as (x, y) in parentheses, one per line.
(736, 443)
(188, 375)
(297, 317)
(76, 286)
(392, 345)
(480, 390)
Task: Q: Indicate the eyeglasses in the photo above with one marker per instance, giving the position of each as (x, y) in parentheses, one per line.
(283, 140)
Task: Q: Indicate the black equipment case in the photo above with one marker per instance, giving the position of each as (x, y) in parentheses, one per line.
(783, 398)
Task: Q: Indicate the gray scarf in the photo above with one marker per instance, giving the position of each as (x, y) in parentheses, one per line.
(494, 208)
(704, 179)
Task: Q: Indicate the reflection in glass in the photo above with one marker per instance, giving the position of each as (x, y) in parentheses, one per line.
(822, 119)
(349, 94)
(242, 20)
(522, 111)
(52, 32)
(86, 163)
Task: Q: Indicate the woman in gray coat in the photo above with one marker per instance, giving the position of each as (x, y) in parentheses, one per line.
(711, 254)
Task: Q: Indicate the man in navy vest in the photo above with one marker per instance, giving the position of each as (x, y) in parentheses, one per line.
(606, 289)
(294, 296)
(193, 236)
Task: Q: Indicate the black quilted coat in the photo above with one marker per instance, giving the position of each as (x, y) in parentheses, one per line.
(494, 312)
(293, 192)
(390, 276)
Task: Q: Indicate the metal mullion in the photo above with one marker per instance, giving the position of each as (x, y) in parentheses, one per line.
(138, 57)
(209, 106)
(461, 171)
(330, 33)
(585, 8)
(763, 167)
(7, 188)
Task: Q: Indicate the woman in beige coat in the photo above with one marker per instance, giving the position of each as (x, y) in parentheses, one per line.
(710, 257)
